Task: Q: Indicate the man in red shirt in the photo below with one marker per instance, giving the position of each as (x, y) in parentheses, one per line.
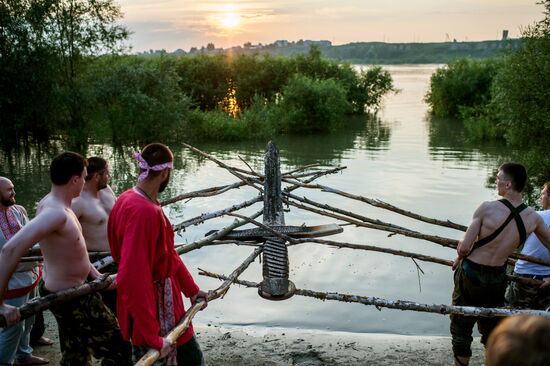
(151, 275)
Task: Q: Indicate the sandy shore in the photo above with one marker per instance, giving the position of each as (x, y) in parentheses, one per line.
(274, 347)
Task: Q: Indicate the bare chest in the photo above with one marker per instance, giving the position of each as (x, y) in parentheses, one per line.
(96, 214)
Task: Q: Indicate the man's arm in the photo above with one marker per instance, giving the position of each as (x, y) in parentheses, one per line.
(77, 207)
(47, 222)
(543, 232)
(466, 244)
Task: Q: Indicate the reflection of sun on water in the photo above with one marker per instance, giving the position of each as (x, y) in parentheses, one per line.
(229, 103)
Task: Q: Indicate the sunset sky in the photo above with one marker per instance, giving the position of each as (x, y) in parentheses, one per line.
(173, 24)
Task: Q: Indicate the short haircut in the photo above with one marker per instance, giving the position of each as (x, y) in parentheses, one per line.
(519, 340)
(517, 174)
(155, 154)
(66, 165)
(95, 165)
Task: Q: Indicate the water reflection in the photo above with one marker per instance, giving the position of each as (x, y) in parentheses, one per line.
(449, 142)
(229, 103)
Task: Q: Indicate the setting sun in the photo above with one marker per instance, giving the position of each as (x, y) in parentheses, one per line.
(230, 20)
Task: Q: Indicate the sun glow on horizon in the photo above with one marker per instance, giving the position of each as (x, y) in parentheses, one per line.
(228, 17)
(230, 20)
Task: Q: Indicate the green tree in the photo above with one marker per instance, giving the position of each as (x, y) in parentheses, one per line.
(258, 76)
(80, 28)
(522, 87)
(310, 105)
(45, 46)
(205, 78)
(137, 100)
(28, 75)
(462, 83)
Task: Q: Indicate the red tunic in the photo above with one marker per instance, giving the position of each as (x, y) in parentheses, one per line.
(142, 243)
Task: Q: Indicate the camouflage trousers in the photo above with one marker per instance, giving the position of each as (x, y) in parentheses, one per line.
(519, 295)
(475, 285)
(189, 354)
(88, 328)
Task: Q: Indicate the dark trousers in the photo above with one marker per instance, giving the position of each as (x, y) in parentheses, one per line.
(189, 354)
(87, 327)
(475, 285)
(38, 329)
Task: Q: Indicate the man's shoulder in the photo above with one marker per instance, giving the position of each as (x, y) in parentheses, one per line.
(489, 206)
(545, 214)
(20, 209)
(107, 197)
(131, 200)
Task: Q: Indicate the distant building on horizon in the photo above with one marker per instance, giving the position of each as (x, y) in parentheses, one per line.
(505, 34)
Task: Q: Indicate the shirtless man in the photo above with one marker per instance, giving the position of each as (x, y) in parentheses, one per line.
(94, 204)
(84, 324)
(92, 209)
(498, 228)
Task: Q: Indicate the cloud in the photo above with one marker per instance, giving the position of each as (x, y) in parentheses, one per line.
(199, 22)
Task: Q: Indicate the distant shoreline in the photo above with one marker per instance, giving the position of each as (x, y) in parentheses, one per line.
(381, 53)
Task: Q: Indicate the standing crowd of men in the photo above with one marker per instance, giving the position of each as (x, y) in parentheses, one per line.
(81, 214)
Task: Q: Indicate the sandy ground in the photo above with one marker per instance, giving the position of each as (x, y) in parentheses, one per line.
(274, 347)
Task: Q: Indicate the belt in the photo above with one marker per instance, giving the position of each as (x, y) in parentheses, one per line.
(18, 292)
(532, 276)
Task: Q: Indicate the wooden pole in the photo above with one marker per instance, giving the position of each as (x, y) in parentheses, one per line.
(309, 180)
(342, 212)
(315, 175)
(218, 234)
(207, 216)
(207, 192)
(382, 204)
(42, 303)
(235, 171)
(398, 304)
(446, 242)
(152, 355)
(422, 257)
(38, 258)
(302, 168)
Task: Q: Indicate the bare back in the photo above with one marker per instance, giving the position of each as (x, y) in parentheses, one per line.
(93, 214)
(492, 215)
(66, 259)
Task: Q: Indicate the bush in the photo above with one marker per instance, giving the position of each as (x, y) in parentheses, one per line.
(463, 83)
(138, 100)
(522, 92)
(205, 78)
(480, 122)
(310, 105)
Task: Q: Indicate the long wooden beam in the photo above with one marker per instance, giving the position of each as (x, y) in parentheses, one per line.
(381, 204)
(446, 242)
(397, 304)
(42, 303)
(152, 355)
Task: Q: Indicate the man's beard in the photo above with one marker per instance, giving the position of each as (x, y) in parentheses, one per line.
(8, 202)
(164, 184)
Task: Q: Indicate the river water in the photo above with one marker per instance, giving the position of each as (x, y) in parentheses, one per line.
(401, 158)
